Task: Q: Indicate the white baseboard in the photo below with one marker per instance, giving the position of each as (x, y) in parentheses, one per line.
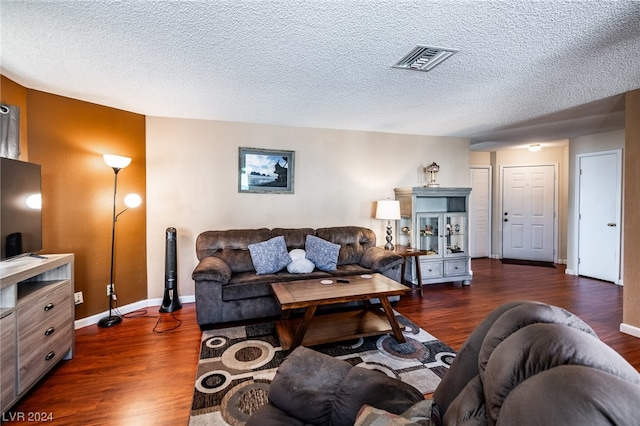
(630, 329)
(142, 304)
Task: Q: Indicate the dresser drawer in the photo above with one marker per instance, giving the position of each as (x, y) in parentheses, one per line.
(38, 356)
(44, 332)
(40, 310)
(431, 269)
(455, 267)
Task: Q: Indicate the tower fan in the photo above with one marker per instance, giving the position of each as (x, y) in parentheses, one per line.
(171, 301)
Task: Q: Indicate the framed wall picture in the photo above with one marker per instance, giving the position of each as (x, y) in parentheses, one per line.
(266, 171)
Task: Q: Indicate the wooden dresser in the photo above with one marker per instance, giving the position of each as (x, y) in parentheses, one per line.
(36, 321)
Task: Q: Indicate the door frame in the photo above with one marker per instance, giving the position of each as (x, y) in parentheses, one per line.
(576, 234)
(490, 202)
(555, 204)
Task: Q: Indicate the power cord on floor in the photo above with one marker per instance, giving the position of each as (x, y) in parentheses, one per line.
(142, 313)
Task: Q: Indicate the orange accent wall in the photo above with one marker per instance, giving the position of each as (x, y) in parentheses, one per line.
(631, 279)
(67, 137)
(14, 94)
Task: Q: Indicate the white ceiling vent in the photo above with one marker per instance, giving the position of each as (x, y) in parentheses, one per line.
(424, 58)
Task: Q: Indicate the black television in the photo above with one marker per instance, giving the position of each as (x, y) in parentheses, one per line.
(20, 208)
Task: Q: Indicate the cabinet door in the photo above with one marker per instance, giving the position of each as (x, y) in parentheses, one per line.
(455, 234)
(8, 360)
(429, 228)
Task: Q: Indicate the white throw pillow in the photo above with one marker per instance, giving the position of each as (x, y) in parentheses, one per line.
(299, 264)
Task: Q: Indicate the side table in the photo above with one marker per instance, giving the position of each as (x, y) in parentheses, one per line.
(407, 252)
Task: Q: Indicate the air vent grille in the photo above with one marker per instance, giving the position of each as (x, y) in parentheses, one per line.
(424, 58)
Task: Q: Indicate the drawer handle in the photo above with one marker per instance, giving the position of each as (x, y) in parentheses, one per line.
(430, 270)
(48, 307)
(49, 331)
(49, 356)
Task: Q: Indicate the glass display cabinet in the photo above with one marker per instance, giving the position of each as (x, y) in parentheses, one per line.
(435, 221)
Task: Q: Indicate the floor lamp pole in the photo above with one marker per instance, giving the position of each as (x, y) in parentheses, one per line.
(112, 320)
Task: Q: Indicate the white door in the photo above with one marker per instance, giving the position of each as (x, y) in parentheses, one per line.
(480, 212)
(599, 192)
(528, 213)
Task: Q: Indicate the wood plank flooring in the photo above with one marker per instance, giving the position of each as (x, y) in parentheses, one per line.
(130, 375)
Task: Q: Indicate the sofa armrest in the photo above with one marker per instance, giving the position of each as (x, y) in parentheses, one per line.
(378, 259)
(212, 269)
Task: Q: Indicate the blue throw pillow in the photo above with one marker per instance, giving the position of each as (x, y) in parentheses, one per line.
(269, 256)
(322, 253)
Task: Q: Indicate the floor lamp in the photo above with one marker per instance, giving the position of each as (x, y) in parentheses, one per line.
(117, 163)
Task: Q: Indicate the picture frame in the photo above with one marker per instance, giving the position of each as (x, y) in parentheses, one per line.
(267, 171)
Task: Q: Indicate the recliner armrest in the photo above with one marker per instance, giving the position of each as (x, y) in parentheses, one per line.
(378, 259)
(212, 269)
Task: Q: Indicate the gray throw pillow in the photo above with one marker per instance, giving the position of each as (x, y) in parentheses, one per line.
(322, 253)
(269, 256)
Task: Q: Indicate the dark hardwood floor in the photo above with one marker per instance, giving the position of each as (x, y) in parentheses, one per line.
(131, 375)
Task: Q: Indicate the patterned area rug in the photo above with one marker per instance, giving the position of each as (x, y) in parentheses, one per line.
(238, 363)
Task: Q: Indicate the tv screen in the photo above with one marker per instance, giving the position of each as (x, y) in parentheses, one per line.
(20, 209)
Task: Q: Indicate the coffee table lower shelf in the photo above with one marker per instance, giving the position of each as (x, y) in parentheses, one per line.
(328, 328)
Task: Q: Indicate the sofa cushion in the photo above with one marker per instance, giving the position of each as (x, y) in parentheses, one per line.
(247, 285)
(353, 241)
(363, 386)
(269, 415)
(285, 275)
(231, 246)
(322, 253)
(269, 256)
(305, 385)
(348, 270)
(294, 237)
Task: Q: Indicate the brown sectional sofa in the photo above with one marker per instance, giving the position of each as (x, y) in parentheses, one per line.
(227, 287)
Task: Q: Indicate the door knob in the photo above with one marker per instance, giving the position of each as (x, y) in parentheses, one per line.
(506, 220)
(612, 224)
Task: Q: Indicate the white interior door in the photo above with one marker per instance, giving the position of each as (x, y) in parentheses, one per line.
(480, 212)
(599, 193)
(528, 213)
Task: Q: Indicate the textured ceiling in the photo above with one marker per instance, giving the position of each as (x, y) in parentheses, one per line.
(525, 70)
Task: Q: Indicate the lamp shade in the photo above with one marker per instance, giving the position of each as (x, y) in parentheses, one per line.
(116, 161)
(132, 200)
(388, 209)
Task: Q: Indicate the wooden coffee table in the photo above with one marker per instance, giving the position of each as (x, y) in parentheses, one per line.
(314, 330)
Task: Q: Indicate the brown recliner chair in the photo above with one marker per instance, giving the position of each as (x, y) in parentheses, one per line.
(526, 363)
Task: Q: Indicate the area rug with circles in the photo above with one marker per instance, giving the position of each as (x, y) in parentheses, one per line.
(237, 364)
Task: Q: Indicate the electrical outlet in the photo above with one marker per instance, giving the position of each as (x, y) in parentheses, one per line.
(77, 296)
(111, 289)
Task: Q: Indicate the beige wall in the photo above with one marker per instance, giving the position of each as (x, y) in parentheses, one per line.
(192, 181)
(584, 145)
